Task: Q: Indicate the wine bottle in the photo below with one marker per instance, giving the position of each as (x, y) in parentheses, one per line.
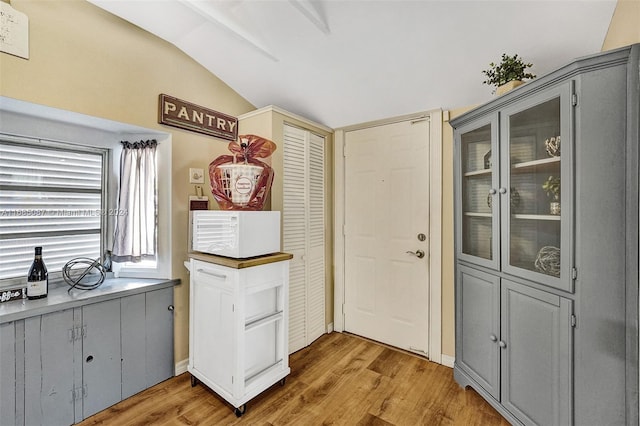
(38, 278)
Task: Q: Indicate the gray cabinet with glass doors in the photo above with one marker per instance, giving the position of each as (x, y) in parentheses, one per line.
(514, 192)
(547, 245)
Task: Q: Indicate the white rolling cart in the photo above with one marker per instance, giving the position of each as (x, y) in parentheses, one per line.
(238, 324)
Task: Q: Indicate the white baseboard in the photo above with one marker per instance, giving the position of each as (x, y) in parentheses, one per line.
(181, 367)
(329, 328)
(448, 361)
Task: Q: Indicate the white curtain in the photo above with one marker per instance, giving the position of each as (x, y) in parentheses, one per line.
(136, 223)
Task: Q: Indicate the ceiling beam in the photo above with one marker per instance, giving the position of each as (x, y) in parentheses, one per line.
(310, 10)
(218, 19)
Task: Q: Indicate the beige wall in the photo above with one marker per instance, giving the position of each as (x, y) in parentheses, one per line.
(625, 25)
(86, 60)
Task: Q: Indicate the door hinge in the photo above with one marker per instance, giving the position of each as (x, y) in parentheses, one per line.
(573, 320)
(344, 150)
(574, 99)
(79, 393)
(344, 229)
(419, 120)
(574, 274)
(233, 307)
(343, 309)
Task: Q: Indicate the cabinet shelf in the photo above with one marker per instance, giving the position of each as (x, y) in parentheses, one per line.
(264, 372)
(478, 172)
(527, 165)
(263, 321)
(537, 217)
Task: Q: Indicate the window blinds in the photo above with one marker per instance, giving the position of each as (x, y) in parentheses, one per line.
(49, 197)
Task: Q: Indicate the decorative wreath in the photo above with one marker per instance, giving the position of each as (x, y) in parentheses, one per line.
(548, 261)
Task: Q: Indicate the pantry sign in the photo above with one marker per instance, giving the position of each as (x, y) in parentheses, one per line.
(185, 115)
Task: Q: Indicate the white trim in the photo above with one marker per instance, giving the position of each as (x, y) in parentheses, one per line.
(338, 227)
(182, 366)
(447, 360)
(435, 237)
(329, 328)
(435, 224)
(273, 108)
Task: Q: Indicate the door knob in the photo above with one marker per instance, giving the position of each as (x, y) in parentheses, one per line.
(418, 253)
(502, 344)
(493, 337)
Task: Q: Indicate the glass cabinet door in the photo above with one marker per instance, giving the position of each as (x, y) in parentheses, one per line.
(478, 202)
(536, 177)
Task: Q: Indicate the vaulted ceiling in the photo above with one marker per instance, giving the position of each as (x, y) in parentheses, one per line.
(342, 62)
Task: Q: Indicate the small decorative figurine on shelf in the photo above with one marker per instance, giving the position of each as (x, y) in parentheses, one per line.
(552, 187)
(552, 145)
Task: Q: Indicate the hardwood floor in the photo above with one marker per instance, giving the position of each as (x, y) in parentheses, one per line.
(340, 379)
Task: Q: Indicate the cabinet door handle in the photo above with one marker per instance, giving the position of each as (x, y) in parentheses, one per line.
(503, 190)
(493, 337)
(502, 344)
(213, 274)
(492, 191)
(170, 307)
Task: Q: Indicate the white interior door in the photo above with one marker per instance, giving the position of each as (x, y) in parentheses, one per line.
(386, 229)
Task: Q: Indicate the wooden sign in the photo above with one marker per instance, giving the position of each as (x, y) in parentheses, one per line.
(185, 115)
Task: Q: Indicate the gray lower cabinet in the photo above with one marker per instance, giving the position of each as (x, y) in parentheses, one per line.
(8, 359)
(147, 340)
(101, 383)
(50, 384)
(514, 341)
(535, 355)
(62, 367)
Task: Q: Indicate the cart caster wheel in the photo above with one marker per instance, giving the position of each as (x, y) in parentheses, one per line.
(194, 381)
(283, 381)
(240, 410)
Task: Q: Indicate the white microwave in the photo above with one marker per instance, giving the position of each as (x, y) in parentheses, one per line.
(234, 233)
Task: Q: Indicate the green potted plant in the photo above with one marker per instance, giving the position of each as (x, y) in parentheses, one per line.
(509, 73)
(552, 187)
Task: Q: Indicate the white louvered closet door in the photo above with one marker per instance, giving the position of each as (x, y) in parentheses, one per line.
(303, 234)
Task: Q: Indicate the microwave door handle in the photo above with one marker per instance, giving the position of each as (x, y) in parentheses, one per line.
(213, 274)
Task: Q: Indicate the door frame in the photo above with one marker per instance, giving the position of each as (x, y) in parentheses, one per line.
(435, 223)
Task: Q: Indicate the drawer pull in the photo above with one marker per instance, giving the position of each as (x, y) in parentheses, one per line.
(213, 274)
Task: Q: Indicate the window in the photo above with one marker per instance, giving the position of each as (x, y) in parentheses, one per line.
(51, 195)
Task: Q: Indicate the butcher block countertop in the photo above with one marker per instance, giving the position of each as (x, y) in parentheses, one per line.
(241, 263)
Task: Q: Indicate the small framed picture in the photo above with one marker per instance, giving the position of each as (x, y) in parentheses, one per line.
(196, 175)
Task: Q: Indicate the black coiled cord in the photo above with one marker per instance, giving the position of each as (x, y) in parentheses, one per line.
(74, 271)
